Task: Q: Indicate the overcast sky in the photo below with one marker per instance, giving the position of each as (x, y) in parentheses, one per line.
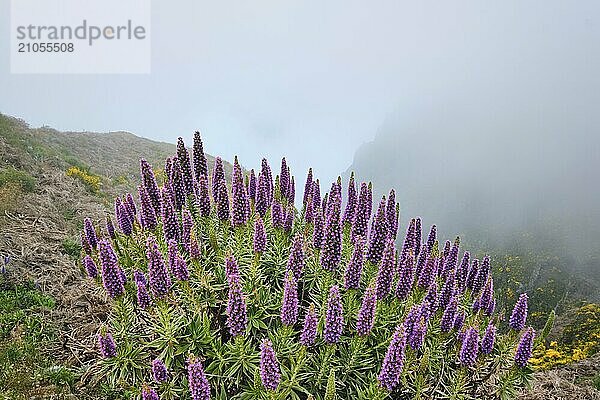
(312, 80)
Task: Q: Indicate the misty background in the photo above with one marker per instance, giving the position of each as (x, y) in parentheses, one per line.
(484, 117)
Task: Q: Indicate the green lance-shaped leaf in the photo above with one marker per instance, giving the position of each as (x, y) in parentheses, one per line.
(547, 328)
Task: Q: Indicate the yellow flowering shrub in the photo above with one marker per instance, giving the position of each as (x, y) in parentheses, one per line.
(91, 181)
(581, 339)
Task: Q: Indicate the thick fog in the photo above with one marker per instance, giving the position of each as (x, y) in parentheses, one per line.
(486, 116)
(313, 80)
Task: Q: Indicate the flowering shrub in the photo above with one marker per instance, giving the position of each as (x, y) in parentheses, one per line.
(229, 291)
(580, 339)
(91, 181)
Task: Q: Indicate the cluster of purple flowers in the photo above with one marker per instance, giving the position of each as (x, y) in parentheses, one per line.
(432, 283)
(270, 373)
(237, 316)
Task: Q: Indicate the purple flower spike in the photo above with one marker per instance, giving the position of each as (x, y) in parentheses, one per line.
(405, 277)
(232, 270)
(469, 347)
(130, 204)
(222, 201)
(107, 346)
(351, 203)
(334, 317)
(148, 215)
(448, 317)
(110, 228)
(252, 185)
(123, 217)
(431, 238)
(169, 217)
(462, 273)
(386, 271)
(111, 272)
(417, 333)
(448, 290)
(332, 242)
(90, 233)
(262, 195)
(90, 266)
(316, 195)
(237, 316)
(523, 353)
(139, 277)
(519, 313)
(318, 230)
(149, 394)
(482, 275)
(168, 169)
(181, 271)
(416, 325)
(195, 253)
(459, 320)
(487, 295)
(418, 235)
(172, 252)
(391, 214)
(355, 266)
(296, 259)
(308, 188)
(379, 235)
(431, 301)
(158, 276)
(202, 196)
(288, 221)
(150, 185)
(428, 273)
(277, 214)
(200, 164)
(408, 245)
(472, 275)
(489, 310)
(218, 178)
(266, 172)
(240, 202)
(362, 213)
(292, 193)
(366, 315)
(177, 184)
(489, 337)
(270, 373)
(393, 362)
(452, 258)
(309, 332)
(159, 371)
(142, 296)
(289, 303)
(197, 382)
(284, 179)
(309, 212)
(185, 165)
(260, 236)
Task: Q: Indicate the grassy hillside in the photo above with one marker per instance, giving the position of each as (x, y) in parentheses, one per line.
(47, 317)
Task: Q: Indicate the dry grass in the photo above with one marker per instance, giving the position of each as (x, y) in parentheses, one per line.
(571, 382)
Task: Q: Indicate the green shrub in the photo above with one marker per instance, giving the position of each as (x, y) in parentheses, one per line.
(15, 176)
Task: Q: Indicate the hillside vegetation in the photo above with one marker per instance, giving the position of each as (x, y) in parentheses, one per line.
(50, 313)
